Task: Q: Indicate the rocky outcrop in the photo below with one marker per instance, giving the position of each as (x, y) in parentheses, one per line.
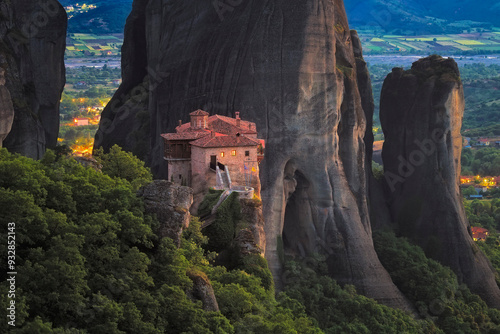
(252, 238)
(203, 290)
(33, 41)
(290, 67)
(6, 109)
(170, 203)
(421, 115)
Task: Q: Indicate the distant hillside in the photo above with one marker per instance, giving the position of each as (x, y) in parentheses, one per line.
(398, 16)
(423, 16)
(108, 17)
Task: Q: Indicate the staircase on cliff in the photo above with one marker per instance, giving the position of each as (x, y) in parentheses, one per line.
(223, 183)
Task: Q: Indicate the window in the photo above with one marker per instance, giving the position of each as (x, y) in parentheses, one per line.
(247, 153)
(180, 176)
(233, 153)
(222, 154)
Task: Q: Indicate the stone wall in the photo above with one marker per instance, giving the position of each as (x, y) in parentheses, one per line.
(179, 172)
(200, 160)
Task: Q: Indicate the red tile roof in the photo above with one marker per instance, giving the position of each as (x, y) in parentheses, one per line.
(479, 233)
(199, 112)
(188, 135)
(225, 141)
(228, 125)
(476, 229)
(479, 236)
(224, 125)
(227, 132)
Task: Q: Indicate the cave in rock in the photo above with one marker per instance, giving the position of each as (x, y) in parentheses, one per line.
(298, 232)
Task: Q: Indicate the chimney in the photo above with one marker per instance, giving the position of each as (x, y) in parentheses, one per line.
(238, 119)
(212, 134)
(180, 122)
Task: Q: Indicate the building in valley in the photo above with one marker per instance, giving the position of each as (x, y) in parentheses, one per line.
(479, 233)
(81, 121)
(207, 143)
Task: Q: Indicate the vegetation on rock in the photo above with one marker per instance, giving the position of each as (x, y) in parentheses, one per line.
(433, 288)
(309, 289)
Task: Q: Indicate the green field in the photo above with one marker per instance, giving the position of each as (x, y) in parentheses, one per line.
(84, 45)
(466, 43)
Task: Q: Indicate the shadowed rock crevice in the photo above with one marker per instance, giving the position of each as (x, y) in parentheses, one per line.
(298, 230)
(377, 206)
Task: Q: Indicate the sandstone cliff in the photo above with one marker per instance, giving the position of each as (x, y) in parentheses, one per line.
(290, 67)
(33, 41)
(421, 114)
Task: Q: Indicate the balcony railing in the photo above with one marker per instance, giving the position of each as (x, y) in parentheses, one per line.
(221, 166)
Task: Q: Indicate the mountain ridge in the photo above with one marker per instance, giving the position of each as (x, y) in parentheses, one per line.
(406, 16)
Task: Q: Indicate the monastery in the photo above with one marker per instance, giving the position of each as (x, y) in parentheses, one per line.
(208, 145)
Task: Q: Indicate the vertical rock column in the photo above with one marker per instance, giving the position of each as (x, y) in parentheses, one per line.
(421, 114)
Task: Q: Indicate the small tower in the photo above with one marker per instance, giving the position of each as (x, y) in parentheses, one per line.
(199, 119)
(238, 119)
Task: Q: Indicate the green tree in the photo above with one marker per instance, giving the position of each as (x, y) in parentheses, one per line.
(469, 191)
(121, 164)
(433, 288)
(341, 310)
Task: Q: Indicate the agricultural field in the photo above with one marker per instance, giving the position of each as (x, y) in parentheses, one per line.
(85, 45)
(466, 43)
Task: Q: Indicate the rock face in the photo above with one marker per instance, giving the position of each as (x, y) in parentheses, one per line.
(6, 109)
(252, 239)
(203, 290)
(33, 34)
(170, 203)
(421, 115)
(290, 67)
(125, 120)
